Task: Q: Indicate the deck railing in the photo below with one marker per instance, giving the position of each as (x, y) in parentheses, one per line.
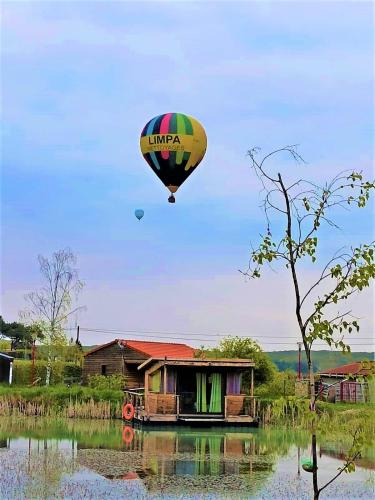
(163, 404)
(169, 404)
(136, 397)
(240, 405)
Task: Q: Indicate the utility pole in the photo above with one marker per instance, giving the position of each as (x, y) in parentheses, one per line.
(299, 360)
(77, 339)
(33, 363)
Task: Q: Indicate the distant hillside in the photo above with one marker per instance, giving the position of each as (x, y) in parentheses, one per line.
(322, 360)
(87, 348)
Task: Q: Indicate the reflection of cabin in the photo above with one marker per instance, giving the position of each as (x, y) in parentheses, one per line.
(124, 357)
(347, 383)
(6, 365)
(194, 390)
(178, 455)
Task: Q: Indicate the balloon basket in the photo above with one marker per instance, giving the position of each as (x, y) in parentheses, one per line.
(172, 199)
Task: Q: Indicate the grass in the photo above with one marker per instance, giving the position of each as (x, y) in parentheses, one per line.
(59, 400)
(329, 418)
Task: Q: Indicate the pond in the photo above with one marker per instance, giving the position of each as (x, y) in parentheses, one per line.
(75, 459)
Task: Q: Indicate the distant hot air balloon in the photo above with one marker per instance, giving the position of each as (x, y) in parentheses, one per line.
(139, 213)
(173, 145)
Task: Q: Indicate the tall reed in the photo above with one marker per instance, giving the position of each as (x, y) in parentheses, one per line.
(60, 401)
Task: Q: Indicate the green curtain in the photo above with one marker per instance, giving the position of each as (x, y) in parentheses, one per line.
(215, 401)
(155, 381)
(201, 392)
(200, 454)
(214, 443)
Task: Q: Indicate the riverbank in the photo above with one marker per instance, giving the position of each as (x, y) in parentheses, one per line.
(79, 402)
(61, 401)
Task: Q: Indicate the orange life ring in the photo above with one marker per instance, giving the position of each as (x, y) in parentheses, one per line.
(128, 411)
(127, 434)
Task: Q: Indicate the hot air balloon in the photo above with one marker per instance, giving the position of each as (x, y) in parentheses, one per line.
(139, 213)
(173, 145)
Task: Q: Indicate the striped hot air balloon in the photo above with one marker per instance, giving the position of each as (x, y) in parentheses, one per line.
(173, 145)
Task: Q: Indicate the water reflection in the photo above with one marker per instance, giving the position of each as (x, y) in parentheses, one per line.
(169, 460)
(66, 458)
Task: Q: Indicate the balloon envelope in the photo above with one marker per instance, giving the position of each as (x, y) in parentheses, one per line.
(139, 213)
(173, 145)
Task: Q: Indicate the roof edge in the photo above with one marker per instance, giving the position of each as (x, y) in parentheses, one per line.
(6, 356)
(124, 342)
(102, 346)
(343, 369)
(250, 363)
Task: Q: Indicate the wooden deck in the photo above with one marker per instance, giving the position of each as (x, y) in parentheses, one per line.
(165, 408)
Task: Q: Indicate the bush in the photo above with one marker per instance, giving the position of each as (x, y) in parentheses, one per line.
(67, 353)
(371, 389)
(245, 348)
(102, 382)
(22, 370)
(283, 384)
(73, 371)
(4, 345)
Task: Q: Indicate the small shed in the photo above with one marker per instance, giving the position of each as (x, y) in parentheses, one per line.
(6, 368)
(347, 383)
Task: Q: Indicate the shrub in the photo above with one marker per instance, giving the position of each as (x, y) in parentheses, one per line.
(371, 389)
(283, 384)
(4, 345)
(59, 371)
(73, 371)
(102, 382)
(246, 348)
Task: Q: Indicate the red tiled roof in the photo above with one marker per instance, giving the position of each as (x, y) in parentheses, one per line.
(152, 349)
(358, 368)
(161, 349)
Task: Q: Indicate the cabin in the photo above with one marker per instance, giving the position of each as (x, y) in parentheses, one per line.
(165, 382)
(348, 383)
(6, 368)
(194, 391)
(124, 356)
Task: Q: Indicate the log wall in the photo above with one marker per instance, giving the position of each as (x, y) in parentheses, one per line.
(114, 359)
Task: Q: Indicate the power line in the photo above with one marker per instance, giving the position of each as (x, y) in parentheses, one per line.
(151, 332)
(149, 335)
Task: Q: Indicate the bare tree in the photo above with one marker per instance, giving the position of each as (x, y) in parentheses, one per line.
(52, 305)
(303, 206)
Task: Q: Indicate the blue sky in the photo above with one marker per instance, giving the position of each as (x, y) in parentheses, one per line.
(80, 80)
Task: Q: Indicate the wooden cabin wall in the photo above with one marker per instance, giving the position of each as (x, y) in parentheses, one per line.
(134, 379)
(112, 358)
(161, 403)
(235, 404)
